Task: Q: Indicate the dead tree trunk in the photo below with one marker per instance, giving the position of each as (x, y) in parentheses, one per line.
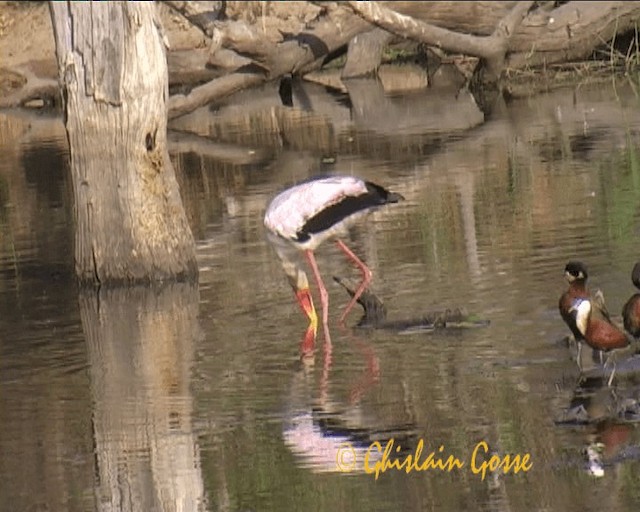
(130, 222)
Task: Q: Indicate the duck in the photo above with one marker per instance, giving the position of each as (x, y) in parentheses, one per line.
(631, 309)
(575, 272)
(598, 331)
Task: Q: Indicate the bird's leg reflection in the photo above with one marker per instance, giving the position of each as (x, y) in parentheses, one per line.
(608, 416)
(308, 343)
(369, 378)
(366, 278)
(326, 368)
(317, 426)
(307, 350)
(371, 375)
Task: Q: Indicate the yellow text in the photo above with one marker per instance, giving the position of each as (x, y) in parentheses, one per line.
(507, 463)
(408, 463)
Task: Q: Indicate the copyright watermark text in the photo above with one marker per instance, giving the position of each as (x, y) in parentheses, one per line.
(378, 459)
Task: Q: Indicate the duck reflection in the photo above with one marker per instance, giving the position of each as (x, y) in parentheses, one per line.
(330, 435)
(609, 416)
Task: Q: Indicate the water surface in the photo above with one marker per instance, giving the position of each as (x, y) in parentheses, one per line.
(187, 398)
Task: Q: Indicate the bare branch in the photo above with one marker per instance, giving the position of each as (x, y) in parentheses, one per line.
(242, 38)
(299, 54)
(200, 14)
(180, 104)
(406, 26)
(508, 25)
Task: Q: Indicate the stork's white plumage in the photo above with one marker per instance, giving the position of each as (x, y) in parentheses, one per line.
(300, 218)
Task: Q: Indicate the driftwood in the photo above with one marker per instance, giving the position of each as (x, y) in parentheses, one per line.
(507, 35)
(200, 14)
(572, 31)
(477, 18)
(375, 315)
(180, 142)
(296, 54)
(491, 49)
(250, 43)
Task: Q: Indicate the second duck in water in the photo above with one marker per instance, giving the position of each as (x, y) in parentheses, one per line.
(631, 310)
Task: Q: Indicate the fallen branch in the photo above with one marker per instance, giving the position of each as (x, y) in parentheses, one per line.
(180, 104)
(296, 54)
(492, 49)
(375, 315)
(202, 15)
(571, 32)
(181, 142)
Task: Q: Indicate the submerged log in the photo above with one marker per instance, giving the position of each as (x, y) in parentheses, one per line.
(375, 315)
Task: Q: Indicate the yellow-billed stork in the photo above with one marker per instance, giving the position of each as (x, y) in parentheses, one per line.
(300, 218)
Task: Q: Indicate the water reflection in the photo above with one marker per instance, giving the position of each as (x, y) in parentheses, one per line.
(166, 398)
(140, 350)
(328, 435)
(608, 415)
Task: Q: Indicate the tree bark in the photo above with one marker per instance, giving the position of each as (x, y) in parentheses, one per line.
(365, 53)
(300, 54)
(490, 49)
(130, 222)
(478, 18)
(570, 32)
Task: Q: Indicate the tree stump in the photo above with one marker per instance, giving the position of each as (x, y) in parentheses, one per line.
(130, 222)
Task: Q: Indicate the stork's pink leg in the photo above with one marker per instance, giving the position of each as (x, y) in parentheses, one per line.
(366, 278)
(324, 296)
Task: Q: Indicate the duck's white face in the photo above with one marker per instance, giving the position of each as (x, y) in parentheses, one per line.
(582, 309)
(572, 276)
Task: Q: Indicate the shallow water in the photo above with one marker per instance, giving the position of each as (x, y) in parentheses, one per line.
(197, 399)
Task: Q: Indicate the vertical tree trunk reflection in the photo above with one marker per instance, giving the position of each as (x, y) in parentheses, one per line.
(140, 346)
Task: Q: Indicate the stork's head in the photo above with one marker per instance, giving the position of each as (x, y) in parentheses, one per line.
(290, 258)
(300, 284)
